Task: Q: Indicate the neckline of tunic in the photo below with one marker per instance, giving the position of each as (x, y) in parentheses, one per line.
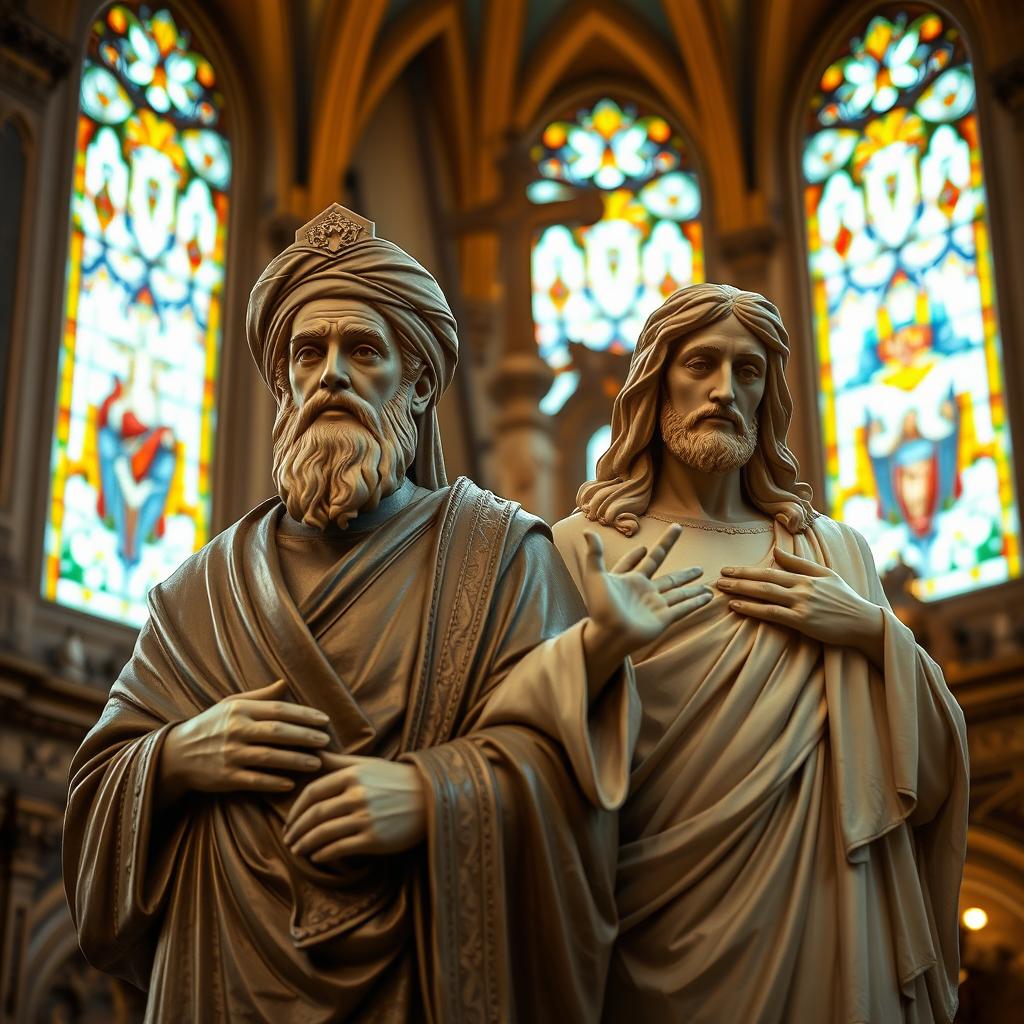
(715, 525)
(363, 523)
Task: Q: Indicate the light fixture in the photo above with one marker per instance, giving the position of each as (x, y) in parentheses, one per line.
(974, 918)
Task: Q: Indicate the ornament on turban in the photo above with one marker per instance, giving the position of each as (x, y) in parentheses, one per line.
(338, 254)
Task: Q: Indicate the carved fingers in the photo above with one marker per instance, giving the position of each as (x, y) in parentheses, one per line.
(630, 560)
(241, 742)
(244, 727)
(767, 612)
(366, 805)
(805, 596)
(673, 580)
(761, 591)
(685, 601)
(330, 818)
(678, 598)
(650, 564)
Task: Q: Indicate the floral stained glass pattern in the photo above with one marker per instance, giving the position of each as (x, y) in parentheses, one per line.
(596, 285)
(133, 438)
(917, 448)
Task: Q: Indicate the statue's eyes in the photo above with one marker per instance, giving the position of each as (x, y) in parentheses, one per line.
(749, 373)
(366, 352)
(306, 354)
(698, 365)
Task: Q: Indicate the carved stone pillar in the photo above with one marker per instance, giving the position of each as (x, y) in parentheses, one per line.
(525, 462)
(1008, 86)
(524, 459)
(747, 253)
(29, 842)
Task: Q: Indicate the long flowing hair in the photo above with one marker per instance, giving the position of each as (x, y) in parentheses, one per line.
(626, 472)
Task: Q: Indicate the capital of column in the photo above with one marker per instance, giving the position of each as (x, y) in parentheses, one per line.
(520, 381)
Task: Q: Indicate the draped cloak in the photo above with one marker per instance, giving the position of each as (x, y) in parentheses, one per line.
(447, 619)
(795, 833)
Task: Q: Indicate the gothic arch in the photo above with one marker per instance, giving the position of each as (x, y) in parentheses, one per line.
(583, 25)
(364, 66)
(351, 30)
(499, 65)
(700, 37)
(698, 94)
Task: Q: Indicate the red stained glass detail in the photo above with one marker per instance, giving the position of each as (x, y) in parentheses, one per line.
(844, 236)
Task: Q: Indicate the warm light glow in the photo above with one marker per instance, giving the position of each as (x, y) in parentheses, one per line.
(974, 918)
(595, 285)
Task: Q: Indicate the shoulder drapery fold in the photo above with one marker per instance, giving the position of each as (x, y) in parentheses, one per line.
(526, 778)
(899, 756)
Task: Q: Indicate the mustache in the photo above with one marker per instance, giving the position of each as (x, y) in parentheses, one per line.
(342, 401)
(706, 411)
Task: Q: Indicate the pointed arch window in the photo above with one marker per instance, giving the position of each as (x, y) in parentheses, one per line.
(917, 447)
(131, 451)
(596, 285)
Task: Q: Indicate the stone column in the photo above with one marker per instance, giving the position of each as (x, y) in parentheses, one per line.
(525, 462)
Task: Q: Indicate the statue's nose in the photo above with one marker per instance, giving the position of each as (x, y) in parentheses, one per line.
(722, 390)
(335, 373)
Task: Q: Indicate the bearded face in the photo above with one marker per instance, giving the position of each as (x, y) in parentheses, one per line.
(708, 450)
(335, 456)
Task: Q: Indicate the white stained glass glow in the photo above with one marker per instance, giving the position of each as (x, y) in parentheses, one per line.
(596, 285)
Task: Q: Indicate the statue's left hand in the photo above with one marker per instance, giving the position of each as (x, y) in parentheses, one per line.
(807, 597)
(364, 805)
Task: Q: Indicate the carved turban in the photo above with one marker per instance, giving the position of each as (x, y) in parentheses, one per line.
(336, 254)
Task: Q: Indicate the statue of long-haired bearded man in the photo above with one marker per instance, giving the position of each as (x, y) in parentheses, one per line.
(794, 837)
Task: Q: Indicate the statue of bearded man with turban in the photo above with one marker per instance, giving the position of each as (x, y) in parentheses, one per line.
(363, 761)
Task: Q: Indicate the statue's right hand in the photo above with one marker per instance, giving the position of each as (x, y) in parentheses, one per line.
(241, 743)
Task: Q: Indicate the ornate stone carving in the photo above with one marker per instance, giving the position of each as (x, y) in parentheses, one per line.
(29, 56)
(334, 229)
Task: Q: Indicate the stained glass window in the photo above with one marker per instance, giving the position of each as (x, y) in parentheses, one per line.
(917, 447)
(133, 438)
(596, 285)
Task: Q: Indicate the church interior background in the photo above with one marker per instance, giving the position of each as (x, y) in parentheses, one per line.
(560, 166)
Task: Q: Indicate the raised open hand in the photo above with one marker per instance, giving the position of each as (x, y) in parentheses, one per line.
(630, 609)
(241, 743)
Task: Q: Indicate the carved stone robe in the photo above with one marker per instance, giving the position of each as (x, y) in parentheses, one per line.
(437, 637)
(795, 833)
